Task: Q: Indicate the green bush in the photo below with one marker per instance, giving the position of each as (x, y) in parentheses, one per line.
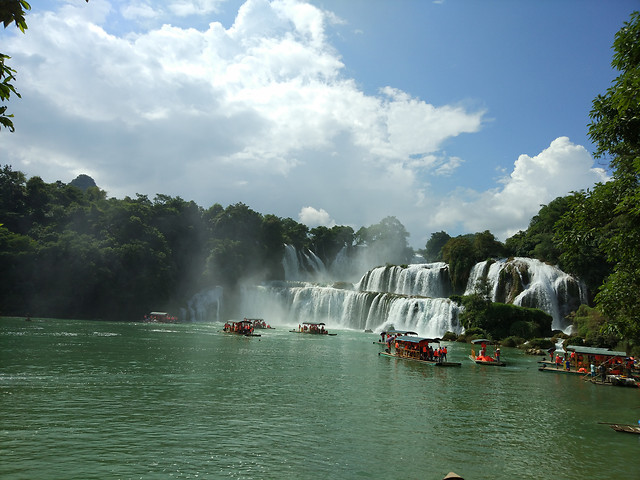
(541, 343)
(524, 329)
(449, 337)
(512, 341)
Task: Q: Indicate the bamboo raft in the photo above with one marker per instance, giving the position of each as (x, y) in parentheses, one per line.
(620, 427)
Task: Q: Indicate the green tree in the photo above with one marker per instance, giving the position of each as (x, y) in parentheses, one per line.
(485, 245)
(388, 238)
(433, 248)
(294, 233)
(327, 242)
(607, 218)
(11, 11)
(538, 240)
(458, 253)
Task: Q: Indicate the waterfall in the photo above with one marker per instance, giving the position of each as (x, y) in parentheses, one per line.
(528, 282)
(200, 307)
(345, 308)
(413, 297)
(427, 280)
(302, 265)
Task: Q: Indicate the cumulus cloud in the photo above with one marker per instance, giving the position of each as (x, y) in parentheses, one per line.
(261, 112)
(312, 217)
(534, 181)
(254, 101)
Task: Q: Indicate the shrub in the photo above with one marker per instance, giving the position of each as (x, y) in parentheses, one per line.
(449, 337)
(542, 343)
(512, 341)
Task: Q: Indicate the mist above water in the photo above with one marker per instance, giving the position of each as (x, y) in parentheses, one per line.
(414, 297)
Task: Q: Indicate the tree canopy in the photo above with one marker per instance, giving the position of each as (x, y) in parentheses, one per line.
(604, 222)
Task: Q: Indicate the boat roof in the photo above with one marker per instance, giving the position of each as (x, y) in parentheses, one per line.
(595, 351)
(482, 340)
(241, 321)
(400, 332)
(417, 340)
(158, 313)
(312, 323)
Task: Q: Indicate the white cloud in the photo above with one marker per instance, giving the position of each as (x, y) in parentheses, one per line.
(556, 171)
(261, 112)
(312, 217)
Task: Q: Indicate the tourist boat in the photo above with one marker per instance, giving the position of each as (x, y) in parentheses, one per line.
(390, 334)
(159, 317)
(313, 328)
(243, 327)
(410, 347)
(625, 428)
(483, 358)
(260, 323)
(598, 365)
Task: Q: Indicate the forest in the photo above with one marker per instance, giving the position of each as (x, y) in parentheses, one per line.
(67, 250)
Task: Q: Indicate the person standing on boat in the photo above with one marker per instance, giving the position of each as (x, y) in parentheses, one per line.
(444, 353)
(498, 354)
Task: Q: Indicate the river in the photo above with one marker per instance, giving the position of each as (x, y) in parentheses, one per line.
(97, 400)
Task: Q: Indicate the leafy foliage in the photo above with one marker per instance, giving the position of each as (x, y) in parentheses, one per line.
(537, 241)
(500, 320)
(433, 249)
(463, 252)
(605, 222)
(68, 250)
(11, 11)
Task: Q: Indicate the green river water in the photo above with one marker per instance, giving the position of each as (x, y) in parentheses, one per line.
(98, 400)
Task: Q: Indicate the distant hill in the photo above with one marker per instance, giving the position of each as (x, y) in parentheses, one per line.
(83, 182)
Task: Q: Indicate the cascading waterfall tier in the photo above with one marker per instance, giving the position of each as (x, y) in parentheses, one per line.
(426, 279)
(528, 282)
(413, 297)
(346, 308)
(302, 265)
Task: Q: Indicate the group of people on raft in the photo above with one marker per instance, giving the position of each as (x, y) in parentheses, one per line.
(312, 328)
(241, 328)
(422, 352)
(258, 322)
(601, 363)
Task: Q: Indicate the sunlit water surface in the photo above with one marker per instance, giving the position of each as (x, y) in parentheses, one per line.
(97, 400)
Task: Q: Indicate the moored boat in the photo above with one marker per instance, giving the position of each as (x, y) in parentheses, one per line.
(601, 366)
(313, 328)
(243, 327)
(483, 358)
(418, 349)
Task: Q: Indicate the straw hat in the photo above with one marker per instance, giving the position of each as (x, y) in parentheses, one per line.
(452, 475)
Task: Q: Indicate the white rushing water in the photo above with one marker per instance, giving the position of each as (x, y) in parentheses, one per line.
(528, 282)
(413, 297)
(343, 308)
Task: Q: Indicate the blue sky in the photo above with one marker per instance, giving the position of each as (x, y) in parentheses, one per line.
(459, 116)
